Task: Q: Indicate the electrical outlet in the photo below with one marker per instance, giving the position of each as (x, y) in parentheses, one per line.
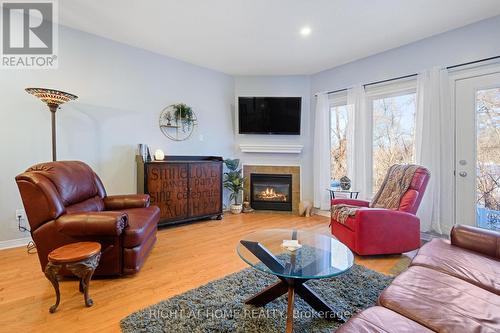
(20, 214)
(22, 220)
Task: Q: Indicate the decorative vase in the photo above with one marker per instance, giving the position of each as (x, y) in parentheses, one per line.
(345, 183)
(236, 209)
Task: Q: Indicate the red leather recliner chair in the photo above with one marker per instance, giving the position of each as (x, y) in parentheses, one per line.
(65, 202)
(374, 231)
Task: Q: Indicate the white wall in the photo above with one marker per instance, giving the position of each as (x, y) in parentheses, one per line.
(121, 92)
(476, 41)
(279, 86)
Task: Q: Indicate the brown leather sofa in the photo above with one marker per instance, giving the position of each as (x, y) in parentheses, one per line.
(65, 202)
(450, 286)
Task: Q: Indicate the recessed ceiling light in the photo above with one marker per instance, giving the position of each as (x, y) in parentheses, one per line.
(305, 31)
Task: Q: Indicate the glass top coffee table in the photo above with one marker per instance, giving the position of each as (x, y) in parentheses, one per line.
(320, 256)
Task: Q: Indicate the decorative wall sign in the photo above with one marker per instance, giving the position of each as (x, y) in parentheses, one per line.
(177, 122)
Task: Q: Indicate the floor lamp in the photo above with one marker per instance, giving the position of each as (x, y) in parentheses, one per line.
(53, 99)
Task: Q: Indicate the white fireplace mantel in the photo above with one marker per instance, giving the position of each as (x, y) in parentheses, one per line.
(275, 149)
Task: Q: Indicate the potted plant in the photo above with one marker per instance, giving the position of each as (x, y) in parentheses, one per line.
(183, 114)
(234, 181)
(183, 111)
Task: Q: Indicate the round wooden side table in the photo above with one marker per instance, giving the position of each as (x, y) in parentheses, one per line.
(81, 259)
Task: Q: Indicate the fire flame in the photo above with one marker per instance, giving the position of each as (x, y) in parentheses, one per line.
(271, 194)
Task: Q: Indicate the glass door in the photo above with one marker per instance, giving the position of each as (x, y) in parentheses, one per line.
(478, 151)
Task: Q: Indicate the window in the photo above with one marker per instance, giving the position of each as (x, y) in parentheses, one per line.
(393, 132)
(488, 158)
(338, 135)
(389, 114)
(338, 141)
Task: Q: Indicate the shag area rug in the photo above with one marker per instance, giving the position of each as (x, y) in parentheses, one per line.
(219, 305)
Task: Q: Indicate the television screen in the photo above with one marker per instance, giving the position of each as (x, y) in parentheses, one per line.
(269, 115)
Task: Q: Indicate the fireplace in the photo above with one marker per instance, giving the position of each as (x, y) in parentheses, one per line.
(271, 191)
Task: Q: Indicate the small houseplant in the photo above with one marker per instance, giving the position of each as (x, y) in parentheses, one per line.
(183, 114)
(234, 181)
(182, 111)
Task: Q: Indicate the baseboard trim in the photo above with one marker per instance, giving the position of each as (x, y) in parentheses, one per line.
(325, 213)
(428, 236)
(11, 243)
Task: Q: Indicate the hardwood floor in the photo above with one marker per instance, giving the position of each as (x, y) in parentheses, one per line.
(184, 257)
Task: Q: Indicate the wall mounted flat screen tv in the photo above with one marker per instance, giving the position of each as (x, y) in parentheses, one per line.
(269, 115)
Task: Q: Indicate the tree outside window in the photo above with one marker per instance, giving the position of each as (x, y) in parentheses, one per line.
(393, 134)
(488, 157)
(338, 140)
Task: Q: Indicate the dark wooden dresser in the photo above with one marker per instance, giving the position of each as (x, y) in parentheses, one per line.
(186, 188)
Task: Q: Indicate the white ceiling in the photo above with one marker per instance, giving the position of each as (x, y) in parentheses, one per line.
(261, 37)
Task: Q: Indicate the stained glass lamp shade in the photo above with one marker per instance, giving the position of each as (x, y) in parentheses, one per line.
(53, 98)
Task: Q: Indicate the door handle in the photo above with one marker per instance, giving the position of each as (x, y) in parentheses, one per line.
(462, 174)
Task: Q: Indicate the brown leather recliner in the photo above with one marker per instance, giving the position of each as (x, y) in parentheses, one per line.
(65, 202)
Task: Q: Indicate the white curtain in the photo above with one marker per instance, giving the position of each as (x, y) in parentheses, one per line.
(321, 154)
(434, 149)
(351, 118)
(359, 141)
